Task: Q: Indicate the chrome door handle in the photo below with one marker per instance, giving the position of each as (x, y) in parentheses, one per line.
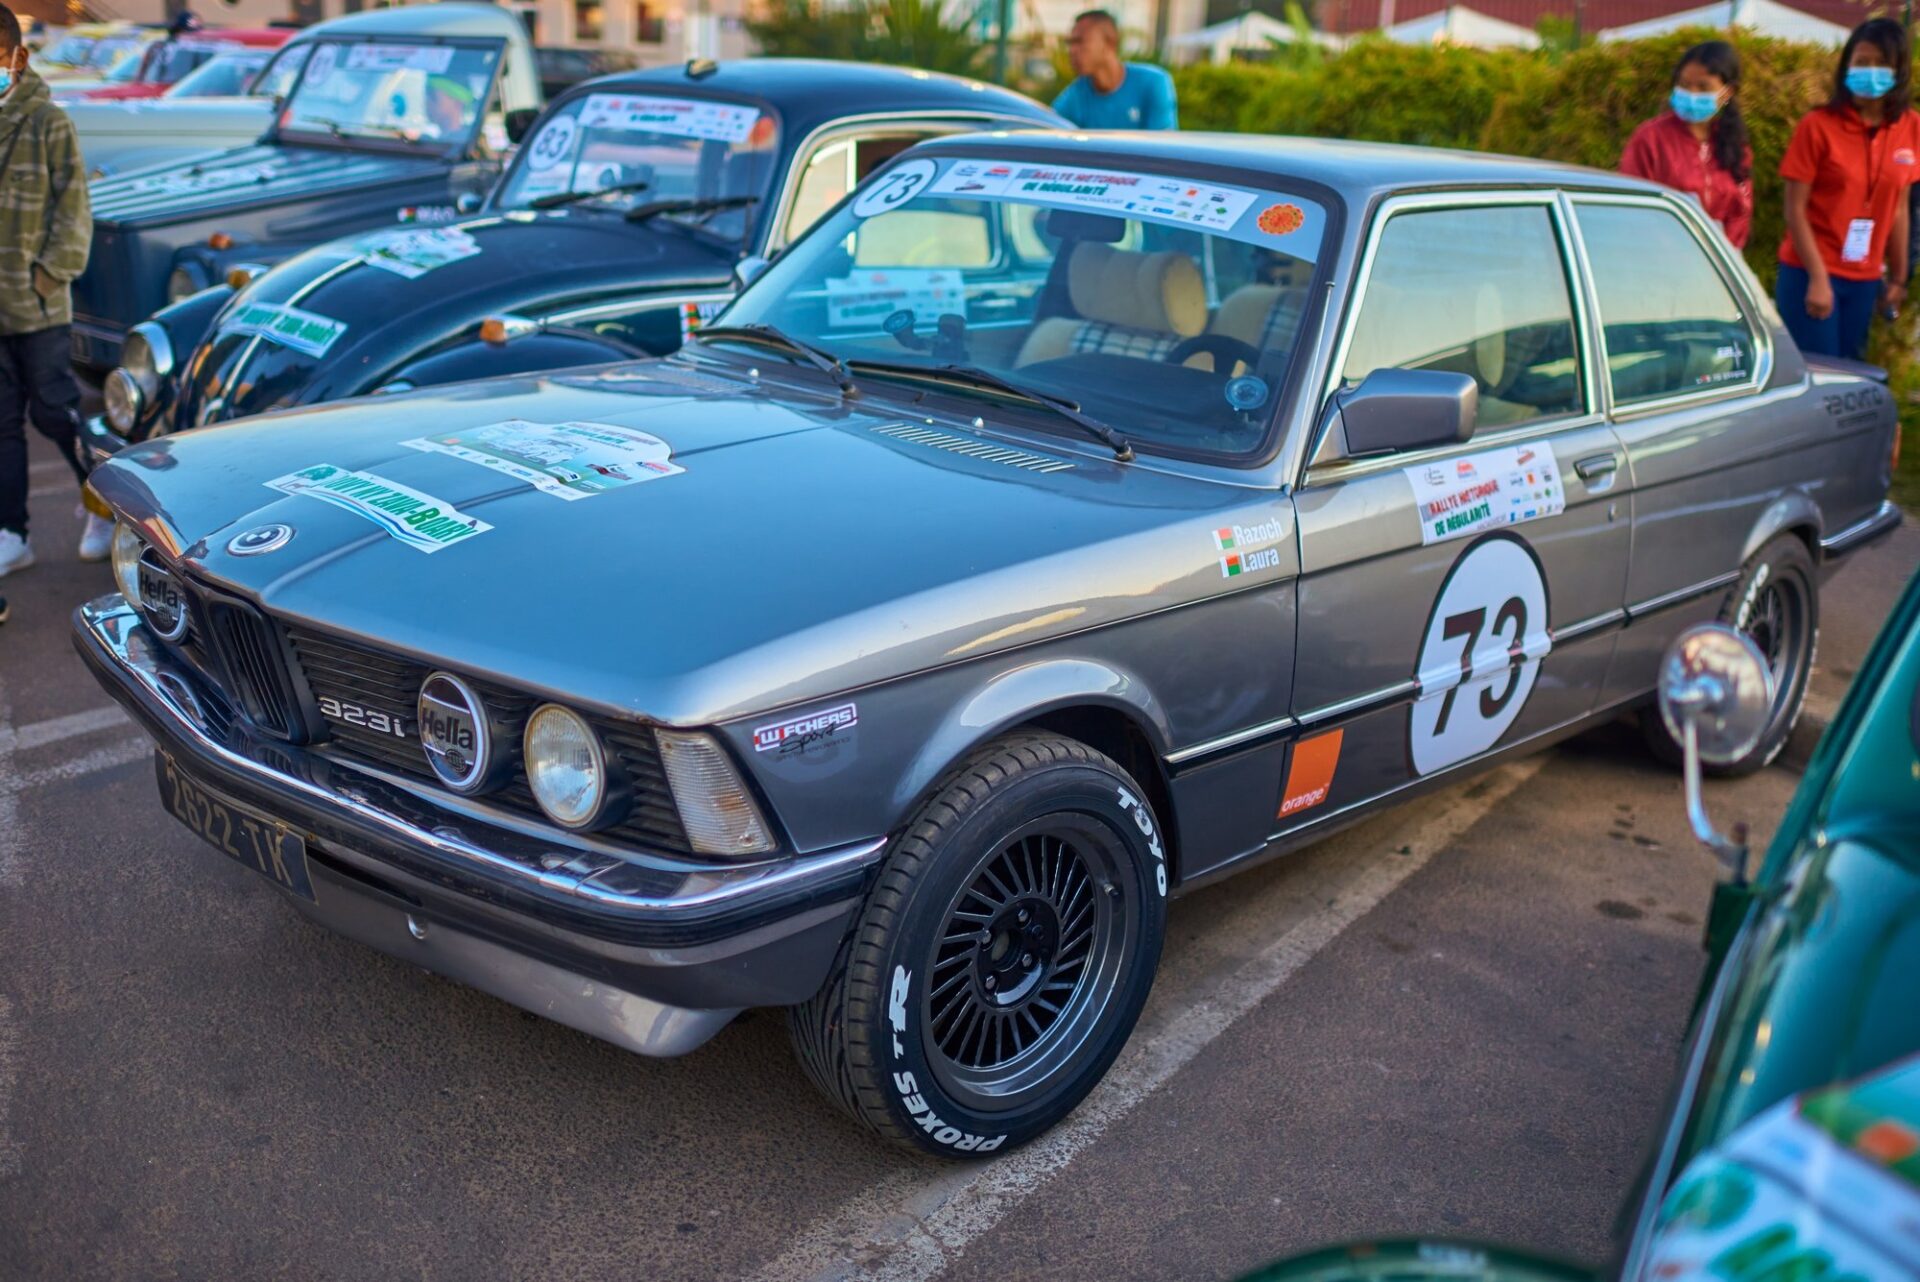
(1598, 465)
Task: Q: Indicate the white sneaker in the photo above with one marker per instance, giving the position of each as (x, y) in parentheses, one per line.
(96, 541)
(15, 553)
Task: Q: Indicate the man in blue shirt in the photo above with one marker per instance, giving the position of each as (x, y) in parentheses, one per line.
(1109, 93)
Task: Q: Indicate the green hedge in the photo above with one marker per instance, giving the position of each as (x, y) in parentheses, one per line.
(1578, 107)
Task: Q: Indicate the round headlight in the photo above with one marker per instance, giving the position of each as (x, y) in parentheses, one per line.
(123, 401)
(566, 767)
(182, 283)
(147, 353)
(127, 547)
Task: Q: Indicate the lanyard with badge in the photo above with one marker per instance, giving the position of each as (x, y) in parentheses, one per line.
(1860, 230)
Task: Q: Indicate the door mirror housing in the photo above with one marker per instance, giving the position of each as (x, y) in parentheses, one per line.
(1407, 409)
(748, 270)
(1716, 694)
(468, 202)
(519, 121)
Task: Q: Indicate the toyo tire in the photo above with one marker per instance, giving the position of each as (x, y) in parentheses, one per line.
(1776, 603)
(1002, 957)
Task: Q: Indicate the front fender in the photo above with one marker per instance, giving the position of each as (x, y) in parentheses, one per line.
(543, 350)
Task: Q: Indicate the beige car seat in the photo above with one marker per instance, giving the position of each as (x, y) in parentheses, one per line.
(1130, 304)
(1262, 316)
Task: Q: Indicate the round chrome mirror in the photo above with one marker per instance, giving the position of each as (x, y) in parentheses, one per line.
(1718, 680)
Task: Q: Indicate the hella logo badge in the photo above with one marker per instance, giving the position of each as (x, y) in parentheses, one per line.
(261, 538)
(162, 602)
(453, 730)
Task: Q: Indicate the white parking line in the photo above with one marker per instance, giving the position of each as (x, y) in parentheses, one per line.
(118, 754)
(916, 1224)
(42, 733)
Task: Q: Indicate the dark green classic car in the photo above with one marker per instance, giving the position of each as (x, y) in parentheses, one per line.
(1792, 1146)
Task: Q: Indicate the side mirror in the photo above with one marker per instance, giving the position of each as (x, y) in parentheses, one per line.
(1716, 693)
(1408, 409)
(748, 270)
(468, 202)
(519, 121)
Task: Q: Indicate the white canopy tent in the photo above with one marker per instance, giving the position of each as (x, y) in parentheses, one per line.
(1458, 25)
(1250, 32)
(1768, 17)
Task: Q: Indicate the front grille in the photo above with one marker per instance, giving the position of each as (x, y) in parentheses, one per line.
(357, 686)
(248, 647)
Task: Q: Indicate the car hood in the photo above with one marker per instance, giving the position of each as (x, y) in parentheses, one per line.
(246, 177)
(523, 263)
(809, 546)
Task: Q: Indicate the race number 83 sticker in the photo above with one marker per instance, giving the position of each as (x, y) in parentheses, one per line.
(894, 188)
(1492, 609)
(553, 144)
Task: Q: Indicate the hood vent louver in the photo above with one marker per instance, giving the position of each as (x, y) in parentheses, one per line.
(983, 450)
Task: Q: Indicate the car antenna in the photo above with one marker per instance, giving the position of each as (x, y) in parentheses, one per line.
(701, 68)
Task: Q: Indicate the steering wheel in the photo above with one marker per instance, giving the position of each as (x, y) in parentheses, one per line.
(1224, 348)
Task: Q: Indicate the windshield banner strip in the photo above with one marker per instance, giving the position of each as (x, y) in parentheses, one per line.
(1166, 199)
(428, 58)
(674, 117)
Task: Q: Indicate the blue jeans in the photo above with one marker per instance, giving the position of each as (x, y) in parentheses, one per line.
(1844, 330)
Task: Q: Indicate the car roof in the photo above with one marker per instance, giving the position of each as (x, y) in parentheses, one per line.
(1358, 171)
(423, 20)
(252, 37)
(810, 92)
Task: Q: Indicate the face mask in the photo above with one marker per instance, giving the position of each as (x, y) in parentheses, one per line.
(1695, 108)
(6, 81)
(1870, 82)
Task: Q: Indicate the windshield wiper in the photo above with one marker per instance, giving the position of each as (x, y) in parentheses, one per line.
(972, 374)
(553, 200)
(702, 205)
(351, 129)
(774, 336)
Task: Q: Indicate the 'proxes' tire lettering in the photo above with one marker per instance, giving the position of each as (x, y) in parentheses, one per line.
(910, 1097)
(1143, 820)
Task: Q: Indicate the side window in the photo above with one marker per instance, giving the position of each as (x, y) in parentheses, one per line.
(279, 75)
(1671, 324)
(1479, 291)
(837, 168)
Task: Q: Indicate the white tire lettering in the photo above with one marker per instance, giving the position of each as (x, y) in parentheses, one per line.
(897, 1007)
(948, 1135)
(904, 1083)
(987, 1146)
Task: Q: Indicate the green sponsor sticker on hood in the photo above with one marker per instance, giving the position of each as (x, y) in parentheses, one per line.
(418, 520)
(306, 332)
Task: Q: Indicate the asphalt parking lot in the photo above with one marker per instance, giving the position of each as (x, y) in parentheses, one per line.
(1460, 1016)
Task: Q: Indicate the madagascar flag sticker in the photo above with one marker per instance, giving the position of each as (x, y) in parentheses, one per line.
(1229, 565)
(1223, 538)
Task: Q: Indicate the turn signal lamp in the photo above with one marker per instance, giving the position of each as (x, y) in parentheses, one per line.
(493, 330)
(715, 807)
(220, 240)
(239, 278)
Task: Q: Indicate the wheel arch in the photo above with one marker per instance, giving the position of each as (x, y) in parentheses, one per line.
(1087, 700)
(1793, 513)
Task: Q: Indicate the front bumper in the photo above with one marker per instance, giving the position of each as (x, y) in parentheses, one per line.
(651, 954)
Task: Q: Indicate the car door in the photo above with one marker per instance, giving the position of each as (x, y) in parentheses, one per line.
(1454, 601)
(1708, 447)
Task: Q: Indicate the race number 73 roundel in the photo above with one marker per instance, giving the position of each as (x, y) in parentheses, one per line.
(1481, 653)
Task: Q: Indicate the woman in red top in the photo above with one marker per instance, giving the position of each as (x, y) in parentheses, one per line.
(1699, 144)
(1847, 172)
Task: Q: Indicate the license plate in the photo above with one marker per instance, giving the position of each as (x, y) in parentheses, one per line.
(251, 840)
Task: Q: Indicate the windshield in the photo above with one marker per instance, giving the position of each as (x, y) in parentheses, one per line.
(417, 93)
(70, 51)
(166, 63)
(221, 77)
(1164, 305)
(115, 53)
(681, 149)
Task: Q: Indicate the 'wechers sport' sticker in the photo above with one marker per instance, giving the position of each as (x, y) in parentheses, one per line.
(413, 254)
(418, 520)
(1152, 196)
(1486, 491)
(306, 332)
(566, 460)
(801, 733)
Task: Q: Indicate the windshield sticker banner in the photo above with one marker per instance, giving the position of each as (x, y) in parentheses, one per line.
(418, 520)
(181, 182)
(413, 254)
(1486, 491)
(566, 460)
(675, 117)
(869, 297)
(307, 332)
(428, 58)
(1155, 196)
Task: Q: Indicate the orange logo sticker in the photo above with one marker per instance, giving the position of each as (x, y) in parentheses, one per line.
(1887, 1142)
(1310, 773)
(1278, 220)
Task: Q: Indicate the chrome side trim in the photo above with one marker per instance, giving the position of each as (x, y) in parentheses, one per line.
(1843, 541)
(112, 623)
(1583, 627)
(621, 307)
(1396, 693)
(1679, 595)
(1276, 726)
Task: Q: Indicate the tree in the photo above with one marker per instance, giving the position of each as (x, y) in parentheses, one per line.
(908, 33)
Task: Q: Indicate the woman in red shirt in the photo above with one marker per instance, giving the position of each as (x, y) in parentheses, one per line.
(1699, 144)
(1847, 172)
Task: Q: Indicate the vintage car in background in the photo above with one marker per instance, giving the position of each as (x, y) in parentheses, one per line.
(851, 659)
(168, 62)
(618, 227)
(563, 68)
(88, 53)
(1792, 1146)
(396, 115)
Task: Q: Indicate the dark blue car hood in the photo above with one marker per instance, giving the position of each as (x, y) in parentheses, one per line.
(247, 177)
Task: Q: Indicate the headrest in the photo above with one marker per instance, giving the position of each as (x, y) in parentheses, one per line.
(1141, 291)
